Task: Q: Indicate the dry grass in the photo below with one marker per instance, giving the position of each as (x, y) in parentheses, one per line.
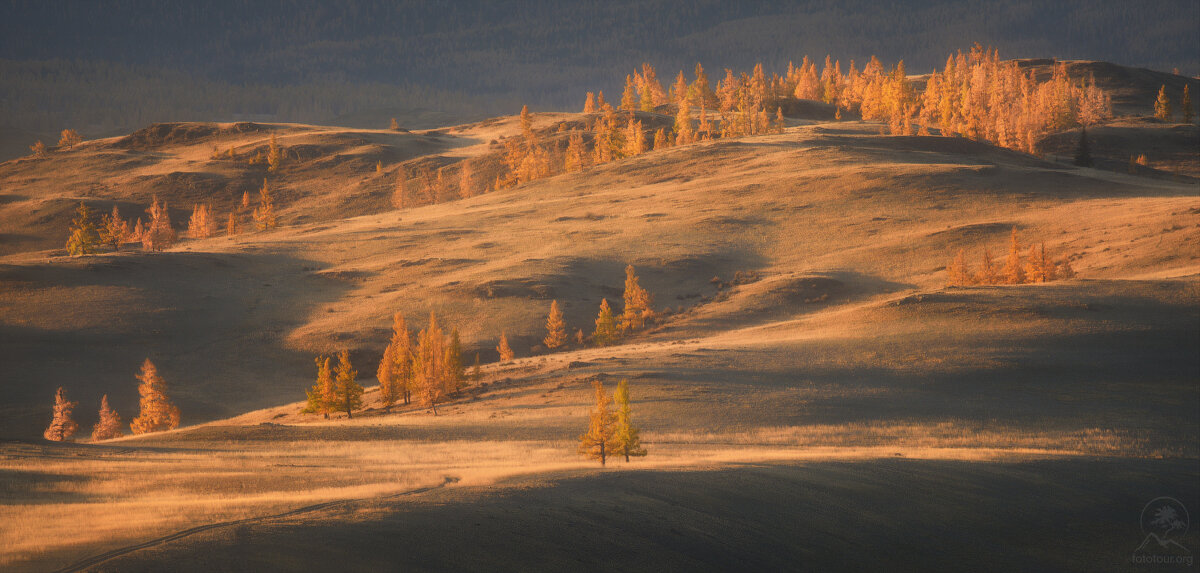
(845, 348)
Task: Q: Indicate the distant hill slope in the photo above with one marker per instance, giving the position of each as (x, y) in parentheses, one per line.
(823, 217)
(115, 65)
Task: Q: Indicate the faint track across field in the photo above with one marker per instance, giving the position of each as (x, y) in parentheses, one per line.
(101, 558)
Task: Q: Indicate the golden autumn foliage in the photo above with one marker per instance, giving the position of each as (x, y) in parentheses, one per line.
(156, 412)
(635, 138)
(68, 139)
(1162, 105)
(1013, 272)
(957, 272)
(428, 365)
(233, 226)
(159, 234)
(38, 149)
(637, 303)
(627, 439)
(608, 139)
(348, 393)
(201, 225)
(109, 424)
(599, 441)
(629, 97)
(138, 230)
(976, 95)
(62, 426)
(84, 239)
(274, 155)
(395, 368)
(113, 229)
(453, 371)
(1020, 267)
(576, 157)
(505, 351)
(264, 214)
(322, 398)
(556, 328)
(606, 332)
(660, 139)
(683, 124)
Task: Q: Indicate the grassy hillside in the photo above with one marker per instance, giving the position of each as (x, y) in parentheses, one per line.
(806, 330)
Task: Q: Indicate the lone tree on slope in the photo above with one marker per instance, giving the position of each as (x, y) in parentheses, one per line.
(505, 351)
(556, 329)
(62, 427)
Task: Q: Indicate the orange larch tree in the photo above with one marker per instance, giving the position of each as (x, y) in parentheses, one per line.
(599, 441)
(113, 229)
(201, 225)
(1014, 271)
(62, 426)
(428, 368)
(556, 328)
(159, 234)
(957, 273)
(505, 351)
(322, 397)
(349, 392)
(606, 332)
(264, 214)
(156, 412)
(627, 439)
(637, 303)
(109, 424)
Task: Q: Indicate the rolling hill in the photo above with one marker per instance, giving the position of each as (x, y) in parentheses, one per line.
(808, 350)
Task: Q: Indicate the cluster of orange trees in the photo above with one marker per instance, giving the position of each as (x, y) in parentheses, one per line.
(1164, 108)
(68, 139)
(611, 433)
(86, 237)
(156, 414)
(976, 95)
(609, 327)
(427, 371)
(429, 368)
(1034, 267)
(337, 390)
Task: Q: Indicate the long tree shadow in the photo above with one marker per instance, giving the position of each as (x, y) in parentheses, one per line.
(214, 324)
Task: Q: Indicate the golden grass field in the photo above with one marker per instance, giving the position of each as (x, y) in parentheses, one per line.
(839, 406)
